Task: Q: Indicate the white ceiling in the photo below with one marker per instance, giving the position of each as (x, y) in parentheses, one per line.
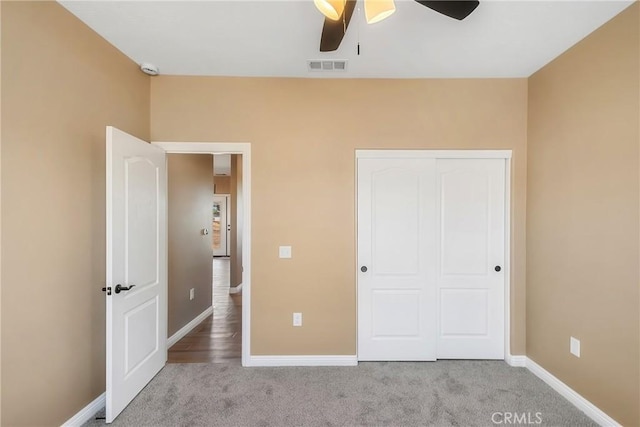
(271, 38)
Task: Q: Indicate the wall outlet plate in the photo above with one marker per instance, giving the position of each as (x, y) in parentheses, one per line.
(574, 346)
(297, 319)
(284, 251)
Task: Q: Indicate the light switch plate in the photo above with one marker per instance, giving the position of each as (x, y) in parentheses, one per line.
(297, 319)
(285, 251)
(574, 347)
(192, 293)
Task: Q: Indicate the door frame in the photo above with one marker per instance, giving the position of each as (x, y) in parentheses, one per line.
(244, 148)
(456, 154)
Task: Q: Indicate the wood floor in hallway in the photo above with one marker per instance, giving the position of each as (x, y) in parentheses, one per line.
(218, 339)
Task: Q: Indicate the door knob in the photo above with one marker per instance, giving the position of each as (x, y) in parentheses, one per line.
(120, 288)
(498, 268)
(363, 268)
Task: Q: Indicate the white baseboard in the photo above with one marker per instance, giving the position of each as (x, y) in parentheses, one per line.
(350, 360)
(516, 361)
(188, 327)
(235, 289)
(571, 395)
(87, 412)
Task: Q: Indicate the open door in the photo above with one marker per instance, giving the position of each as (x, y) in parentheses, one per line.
(136, 282)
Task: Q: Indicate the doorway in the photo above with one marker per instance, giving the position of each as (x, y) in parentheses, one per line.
(244, 238)
(137, 259)
(432, 254)
(199, 285)
(221, 227)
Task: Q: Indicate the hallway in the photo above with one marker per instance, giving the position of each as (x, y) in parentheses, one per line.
(218, 339)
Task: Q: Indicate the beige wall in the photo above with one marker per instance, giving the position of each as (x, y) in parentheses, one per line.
(223, 184)
(582, 213)
(190, 198)
(61, 85)
(303, 134)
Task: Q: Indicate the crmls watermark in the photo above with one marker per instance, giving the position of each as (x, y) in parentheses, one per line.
(521, 418)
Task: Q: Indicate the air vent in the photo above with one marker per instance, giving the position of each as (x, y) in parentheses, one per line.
(321, 65)
(340, 65)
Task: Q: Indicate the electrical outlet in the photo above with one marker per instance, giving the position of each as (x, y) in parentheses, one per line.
(297, 319)
(574, 346)
(192, 294)
(284, 251)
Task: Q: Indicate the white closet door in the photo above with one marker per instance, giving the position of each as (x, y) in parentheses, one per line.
(470, 267)
(396, 259)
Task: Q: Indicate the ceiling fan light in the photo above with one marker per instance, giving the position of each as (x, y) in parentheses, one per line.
(377, 10)
(332, 9)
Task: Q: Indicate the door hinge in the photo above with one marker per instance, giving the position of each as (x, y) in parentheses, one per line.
(107, 290)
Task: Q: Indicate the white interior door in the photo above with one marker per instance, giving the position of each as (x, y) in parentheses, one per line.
(470, 273)
(221, 227)
(137, 261)
(396, 259)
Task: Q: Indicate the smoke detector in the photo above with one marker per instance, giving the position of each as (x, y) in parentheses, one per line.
(150, 69)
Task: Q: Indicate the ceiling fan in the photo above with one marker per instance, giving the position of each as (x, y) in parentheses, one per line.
(338, 14)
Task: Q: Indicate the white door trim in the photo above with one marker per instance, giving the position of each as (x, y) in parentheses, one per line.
(243, 148)
(507, 260)
(459, 154)
(433, 154)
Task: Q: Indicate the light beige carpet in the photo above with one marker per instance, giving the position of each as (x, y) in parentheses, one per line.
(443, 393)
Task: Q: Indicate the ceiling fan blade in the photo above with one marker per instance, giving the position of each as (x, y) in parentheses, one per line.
(333, 31)
(453, 9)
